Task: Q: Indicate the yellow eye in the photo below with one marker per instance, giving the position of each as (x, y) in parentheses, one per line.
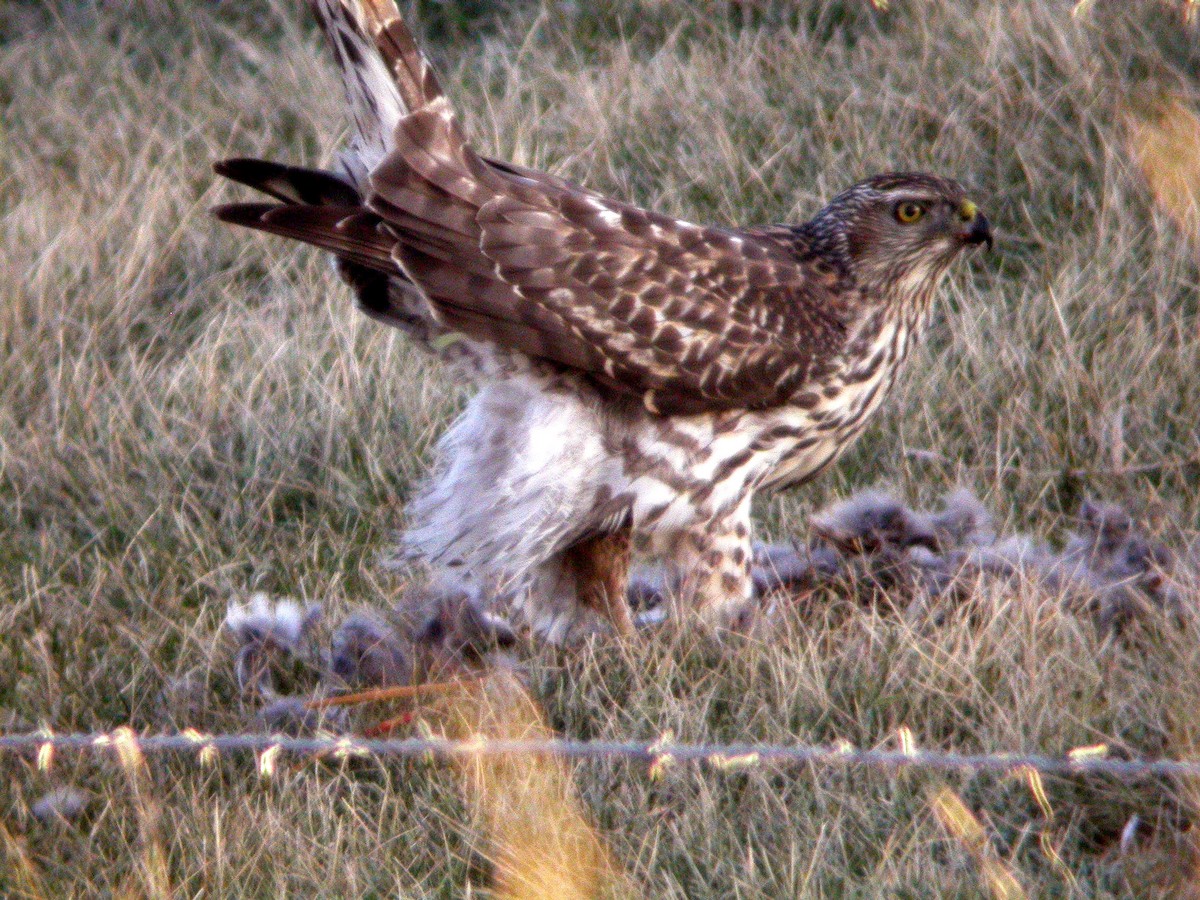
(908, 212)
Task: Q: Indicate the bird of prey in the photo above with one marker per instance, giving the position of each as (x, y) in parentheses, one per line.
(640, 377)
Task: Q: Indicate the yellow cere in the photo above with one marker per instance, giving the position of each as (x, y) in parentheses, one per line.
(967, 210)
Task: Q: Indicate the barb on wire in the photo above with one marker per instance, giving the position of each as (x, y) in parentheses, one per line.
(717, 755)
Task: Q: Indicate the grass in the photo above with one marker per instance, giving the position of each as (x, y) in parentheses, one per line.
(188, 413)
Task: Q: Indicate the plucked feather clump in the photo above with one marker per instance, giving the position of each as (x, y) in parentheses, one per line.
(1111, 568)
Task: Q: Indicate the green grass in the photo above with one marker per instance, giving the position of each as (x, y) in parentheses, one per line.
(189, 413)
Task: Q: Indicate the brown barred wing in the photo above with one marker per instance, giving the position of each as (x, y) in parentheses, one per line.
(685, 318)
(689, 318)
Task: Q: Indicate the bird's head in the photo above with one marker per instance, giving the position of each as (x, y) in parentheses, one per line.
(901, 229)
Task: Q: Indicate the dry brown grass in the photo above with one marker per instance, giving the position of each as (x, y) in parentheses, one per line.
(187, 412)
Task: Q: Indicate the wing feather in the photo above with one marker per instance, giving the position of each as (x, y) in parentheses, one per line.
(687, 318)
(332, 228)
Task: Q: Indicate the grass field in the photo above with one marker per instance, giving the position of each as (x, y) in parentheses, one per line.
(189, 414)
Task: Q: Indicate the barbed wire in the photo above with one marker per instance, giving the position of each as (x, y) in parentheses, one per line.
(1084, 760)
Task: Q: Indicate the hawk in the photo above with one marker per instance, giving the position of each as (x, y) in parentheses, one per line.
(639, 377)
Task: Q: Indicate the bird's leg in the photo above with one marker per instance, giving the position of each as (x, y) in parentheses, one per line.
(601, 569)
(713, 565)
(582, 589)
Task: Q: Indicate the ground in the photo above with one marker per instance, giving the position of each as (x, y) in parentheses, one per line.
(189, 413)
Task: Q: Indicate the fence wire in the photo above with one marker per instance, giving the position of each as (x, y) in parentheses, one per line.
(1084, 760)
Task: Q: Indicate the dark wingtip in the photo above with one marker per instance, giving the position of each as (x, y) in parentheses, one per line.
(247, 170)
(290, 184)
(248, 214)
(228, 168)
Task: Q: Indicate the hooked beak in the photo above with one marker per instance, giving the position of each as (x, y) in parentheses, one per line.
(977, 229)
